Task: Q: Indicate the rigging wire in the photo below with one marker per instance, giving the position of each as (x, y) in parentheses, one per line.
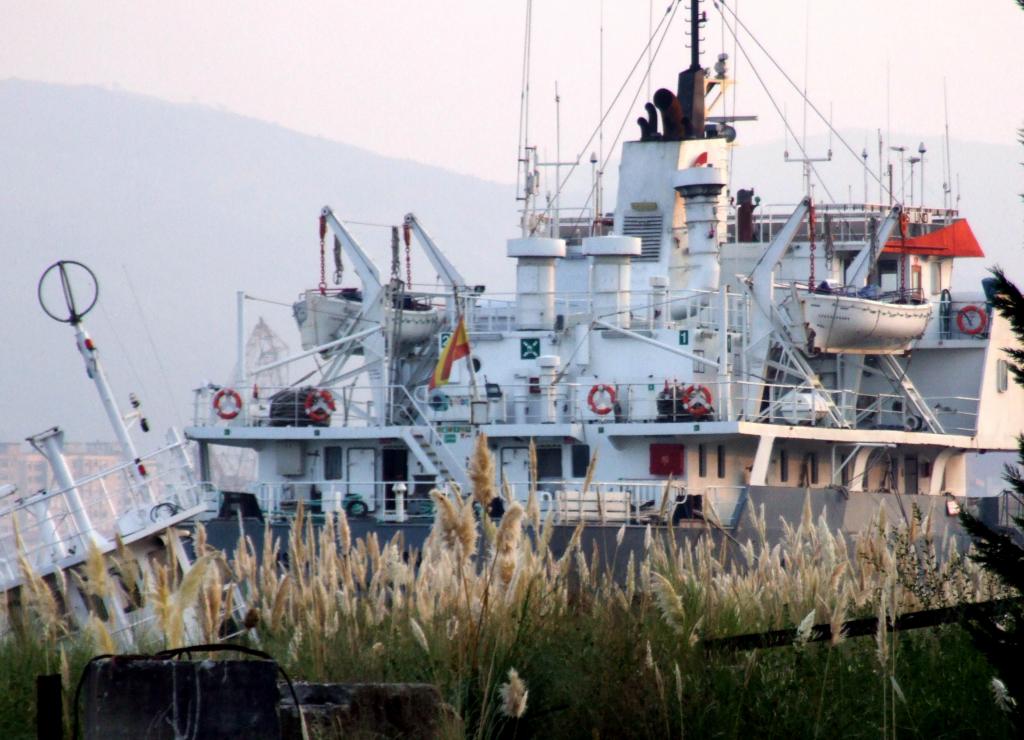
(524, 94)
(629, 110)
(153, 347)
(669, 12)
(782, 115)
(720, 6)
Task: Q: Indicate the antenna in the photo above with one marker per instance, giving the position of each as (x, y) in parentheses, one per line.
(558, 164)
(947, 163)
(68, 272)
(526, 173)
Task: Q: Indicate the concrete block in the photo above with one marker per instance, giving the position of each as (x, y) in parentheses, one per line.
(157, 699)
(367, 710)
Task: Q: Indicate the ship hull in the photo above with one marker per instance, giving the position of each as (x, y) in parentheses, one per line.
(847, 513)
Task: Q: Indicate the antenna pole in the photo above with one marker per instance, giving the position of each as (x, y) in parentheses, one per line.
(558, 164)
(695, 19)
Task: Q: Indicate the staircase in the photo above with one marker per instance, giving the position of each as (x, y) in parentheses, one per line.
(434, 455)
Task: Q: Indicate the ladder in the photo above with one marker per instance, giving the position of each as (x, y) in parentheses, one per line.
(899, 378)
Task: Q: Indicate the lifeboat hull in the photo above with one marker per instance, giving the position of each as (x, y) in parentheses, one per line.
(322, 318)
(840, 323)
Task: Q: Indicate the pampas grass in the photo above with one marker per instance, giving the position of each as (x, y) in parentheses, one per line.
(608, 655)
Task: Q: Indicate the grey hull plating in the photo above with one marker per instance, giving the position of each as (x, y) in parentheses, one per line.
(849, 513)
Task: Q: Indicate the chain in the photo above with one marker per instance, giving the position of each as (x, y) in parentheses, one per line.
(810, 230)
(323, 258)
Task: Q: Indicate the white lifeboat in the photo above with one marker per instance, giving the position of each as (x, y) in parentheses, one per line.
(838, 321)
(323, 318)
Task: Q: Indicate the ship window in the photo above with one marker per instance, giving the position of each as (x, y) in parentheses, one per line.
(702, 461)
(721, 460)
(783, 466)
(813, 464)
(1002, 376)
(698, 366)
(549, 463)
(332, 463)
(580, 460)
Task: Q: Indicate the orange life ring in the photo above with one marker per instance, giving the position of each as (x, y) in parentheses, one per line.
(962, 319)
(320, 405)
(697, 400)
(227, 411)
(603, 389)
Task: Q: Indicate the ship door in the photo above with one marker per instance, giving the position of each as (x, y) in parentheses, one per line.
(911, 475)
(361, 472)
(394, 468)
(515, 467)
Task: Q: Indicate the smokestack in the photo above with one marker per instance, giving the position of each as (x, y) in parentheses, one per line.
(671, 114)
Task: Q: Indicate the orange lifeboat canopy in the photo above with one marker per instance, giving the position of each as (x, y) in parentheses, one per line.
(955, 240)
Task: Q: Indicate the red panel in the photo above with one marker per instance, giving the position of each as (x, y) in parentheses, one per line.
(955, 240)
(667, 459)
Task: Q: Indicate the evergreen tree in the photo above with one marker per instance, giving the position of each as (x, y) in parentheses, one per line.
(1001, 638)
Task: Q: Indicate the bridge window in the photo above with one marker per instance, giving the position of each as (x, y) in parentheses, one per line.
(702, 461)
(1002, 376)
(783, 466)
(721, 460)
(549, 463)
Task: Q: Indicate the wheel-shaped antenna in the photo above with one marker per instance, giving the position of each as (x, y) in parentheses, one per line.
(68, 272)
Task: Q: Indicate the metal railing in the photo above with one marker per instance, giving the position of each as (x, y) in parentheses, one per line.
(663, 400)
(633, 501)
(50, 529)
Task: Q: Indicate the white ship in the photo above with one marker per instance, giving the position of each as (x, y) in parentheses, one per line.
(709, 355)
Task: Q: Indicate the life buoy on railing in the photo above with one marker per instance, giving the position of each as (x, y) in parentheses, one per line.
(227, 403)
(968, 325)
(697, 400)
(607, 399)
(320, 405)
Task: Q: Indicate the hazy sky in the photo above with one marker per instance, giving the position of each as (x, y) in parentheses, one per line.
(439, 81)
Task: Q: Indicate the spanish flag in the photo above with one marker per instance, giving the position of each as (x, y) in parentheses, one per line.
(455, 348)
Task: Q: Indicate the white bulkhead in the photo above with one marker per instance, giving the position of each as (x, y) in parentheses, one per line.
(610, 270)
(535, 280)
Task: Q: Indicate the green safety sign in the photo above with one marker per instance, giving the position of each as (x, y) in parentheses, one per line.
(529, 349)
(442, 338)
(684, 336)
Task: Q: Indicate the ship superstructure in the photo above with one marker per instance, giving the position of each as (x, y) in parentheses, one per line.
(693, 351)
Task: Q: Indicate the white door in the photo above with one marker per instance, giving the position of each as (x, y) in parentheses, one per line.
(515, 467)
(361, 472)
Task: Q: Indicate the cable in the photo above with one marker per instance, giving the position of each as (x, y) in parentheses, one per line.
(629, 109)
(152, 345)
(782, 116)
(672, 4)
(737, 21)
